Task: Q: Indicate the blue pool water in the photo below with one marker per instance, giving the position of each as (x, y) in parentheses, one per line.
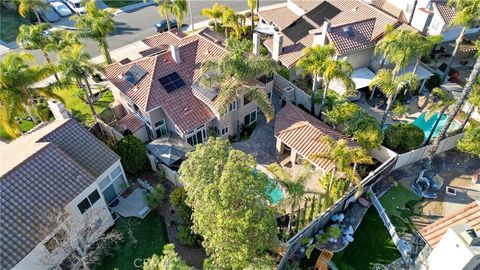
(427, 125)
(276, 195)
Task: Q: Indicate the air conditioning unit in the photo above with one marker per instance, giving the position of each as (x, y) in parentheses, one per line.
(289, 93)
(471, 237)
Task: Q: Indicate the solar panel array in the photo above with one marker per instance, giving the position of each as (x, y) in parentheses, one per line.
(171, 82)
(324, 11)
(134, 74)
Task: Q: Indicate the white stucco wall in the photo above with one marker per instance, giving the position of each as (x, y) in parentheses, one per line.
(358, 59)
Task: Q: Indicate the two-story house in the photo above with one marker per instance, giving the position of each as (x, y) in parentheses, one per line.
(162, 94)
(57, 167)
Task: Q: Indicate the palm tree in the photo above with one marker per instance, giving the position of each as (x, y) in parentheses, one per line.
(474, 100)
(343, 156)
(295, 190)
(75, 65)
(467, 14)
(391, 86)
(96, 24)
(442, 99)
(252, 4)
(18, 94)
(215, 13)
(26, 6)
(458, 106)
(424, 46)
(231, 74)
(230, 20)
(312, 64)
(179, 9)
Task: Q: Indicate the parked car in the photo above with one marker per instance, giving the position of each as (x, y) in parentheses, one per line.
(61, 8)
(48, 14)
(75, 5)
(161, 26)
(427, 184)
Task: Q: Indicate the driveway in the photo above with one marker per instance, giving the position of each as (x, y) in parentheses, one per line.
(262, 143)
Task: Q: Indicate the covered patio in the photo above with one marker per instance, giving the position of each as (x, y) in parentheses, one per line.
(360, 76)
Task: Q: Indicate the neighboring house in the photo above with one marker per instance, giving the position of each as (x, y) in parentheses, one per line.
(59, 166)
(353, 27)
(452, 242)
(299, 135)
(162, 94)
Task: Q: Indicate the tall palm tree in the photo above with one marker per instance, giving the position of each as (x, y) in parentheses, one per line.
(340, 70)
(75, 65)
(441, 101)
(231, 74)
(96, 24)
(215, 13)
(467, 14)
(295, 189)
(424, 46)
(343, 156)
(474, 100)
(312, 64)
(230, 20)
(18, 94)
(458, 106)
(26, 6)
(252, 4)
(179, 9)
(391, 86)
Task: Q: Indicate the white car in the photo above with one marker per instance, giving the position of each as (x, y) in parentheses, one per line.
(61, 8)
(75, 5)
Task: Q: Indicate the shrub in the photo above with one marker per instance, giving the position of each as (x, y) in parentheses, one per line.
(400, 110)
(177, 197)
(284, 72)
(155, 198)
(342, 113)
(403, 137)
(334, 231)
(470, 141)
(434, 81)
(186, 236)
(132, 153)
(263, 50)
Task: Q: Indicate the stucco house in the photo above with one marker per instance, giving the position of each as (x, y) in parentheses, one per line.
(161, 92)
(353, 28)
(57, 167)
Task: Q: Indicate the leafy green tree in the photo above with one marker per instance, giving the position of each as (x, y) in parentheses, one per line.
(132, 152)
(391, 85)
(231, 75)
(472, 79)
(229, 201)
(168, 261)
(403, 137)
(75, 65)
(175, 7)
(18, 94)
(252, 4)
(423, 46)
(470, 141)
(96, 24)
(215, 13)
(440, 102)
(231, 20)
(467, 13)
(26, 6)
(155, 198)
(474, 100)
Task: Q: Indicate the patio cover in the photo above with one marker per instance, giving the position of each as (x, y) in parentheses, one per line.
(169, 149)
(422, 72)
(265, 29)
(360, 76)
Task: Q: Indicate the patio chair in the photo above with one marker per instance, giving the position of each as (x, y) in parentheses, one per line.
(323, 260)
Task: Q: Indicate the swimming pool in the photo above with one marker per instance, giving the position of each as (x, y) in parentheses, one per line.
(276, 195)
(427, 125)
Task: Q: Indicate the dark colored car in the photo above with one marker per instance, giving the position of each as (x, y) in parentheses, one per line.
(48, 14)
(427, 184)
(161, 26)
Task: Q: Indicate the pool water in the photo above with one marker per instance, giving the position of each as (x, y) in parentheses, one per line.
(427, 124)
(276, 195)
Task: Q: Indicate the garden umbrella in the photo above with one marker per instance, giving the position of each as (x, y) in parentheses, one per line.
(169, 149)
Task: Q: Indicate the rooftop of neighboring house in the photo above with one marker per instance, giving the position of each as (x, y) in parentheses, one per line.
(303, 132)
(446, 13)
(40, 173)
(355, 25)
(159, 81)
(469, 214)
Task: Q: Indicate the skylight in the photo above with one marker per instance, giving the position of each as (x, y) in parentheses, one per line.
(171, 82)
(134, 74)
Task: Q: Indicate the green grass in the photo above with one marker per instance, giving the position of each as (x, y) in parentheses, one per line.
(120, 3)
(150, 234)
(9, 22)
(80, 109)
(25, 125)
(372, 244)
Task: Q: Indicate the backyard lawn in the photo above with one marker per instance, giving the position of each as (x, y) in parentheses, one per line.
(120, 3)
(25, 125)
(10, 21)
(150, 235)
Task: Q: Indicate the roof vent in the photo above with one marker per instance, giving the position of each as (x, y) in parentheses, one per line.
(355, 8)
(471, 237)
(348, 30)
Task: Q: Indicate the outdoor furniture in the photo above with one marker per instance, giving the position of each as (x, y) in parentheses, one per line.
(323, 260)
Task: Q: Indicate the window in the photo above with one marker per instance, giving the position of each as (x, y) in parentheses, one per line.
(250, 118)
(161, 128)
(112, 185)
(225, 130)
(171, 82)
(196, 136)
(246, 100)
(88, 202)
(148, 127)
(232, 106)
(266, 78)
(57, 239)
(70, 261)
(269, 94)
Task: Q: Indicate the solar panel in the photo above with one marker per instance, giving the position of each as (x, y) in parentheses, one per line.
(298, 30)
(134, 74)
(172, 82)
(324, 11)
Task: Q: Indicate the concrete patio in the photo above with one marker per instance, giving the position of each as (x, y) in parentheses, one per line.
(133, 205)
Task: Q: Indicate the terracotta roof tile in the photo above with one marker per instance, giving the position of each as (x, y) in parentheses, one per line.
(131, 122)
(470, 214)
(446, 13)
(303, 132)
(282, 17)
(352, 37)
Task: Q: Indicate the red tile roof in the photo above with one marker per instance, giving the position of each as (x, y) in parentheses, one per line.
(303, 132)
(286, 18)
(362, 36)
(470, 214)
(131, 122)
(182, 107)
(446, 13)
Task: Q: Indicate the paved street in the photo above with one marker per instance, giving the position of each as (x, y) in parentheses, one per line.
(136, 25)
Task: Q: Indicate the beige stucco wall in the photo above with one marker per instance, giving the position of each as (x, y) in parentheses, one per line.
(358, 59)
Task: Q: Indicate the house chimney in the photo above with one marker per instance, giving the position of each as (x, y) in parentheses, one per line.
(175, 54)
(325, 29)
(277, 46)
(256, 43)
(58, 109)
